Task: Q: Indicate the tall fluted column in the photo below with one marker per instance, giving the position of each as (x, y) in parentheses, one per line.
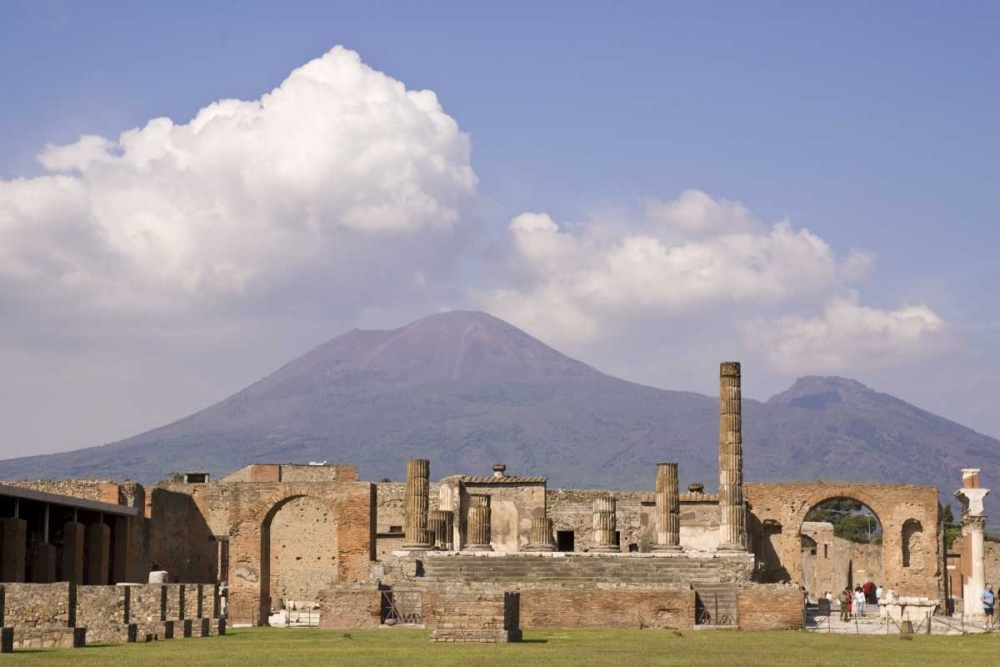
(668, 509)
(478, 538)
(441, 523)
(732, 507)
(418, 472)
(541, 535)
(605, 525)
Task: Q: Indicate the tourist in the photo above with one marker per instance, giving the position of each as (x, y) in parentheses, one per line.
(989, 600)
(878, 593)
(845, 604)
(859, 601)
(869, 588)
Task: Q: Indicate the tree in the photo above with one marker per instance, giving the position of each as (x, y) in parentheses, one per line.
(851, 519)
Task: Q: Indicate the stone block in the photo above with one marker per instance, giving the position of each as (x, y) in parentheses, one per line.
(13, 546)
(43, 564)
(71, 559)
(98, 554)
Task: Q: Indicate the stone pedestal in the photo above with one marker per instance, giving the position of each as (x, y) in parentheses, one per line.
(13, 547)
(98, 558)
(441, 524)
(541, 535)
(71, 560)
(668, 516)
(122, 556)
(478, 538)
(605, 525)
(417, 503)
(43, 564)
(732, 505)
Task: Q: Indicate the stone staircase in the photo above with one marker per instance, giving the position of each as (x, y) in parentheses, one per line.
(716, 605)
(572, 569)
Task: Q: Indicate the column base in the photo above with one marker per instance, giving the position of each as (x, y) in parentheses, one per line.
(417, 547)
(668, 548)
(478, 547)
(605, 550)
(539, 547)
(732, 548)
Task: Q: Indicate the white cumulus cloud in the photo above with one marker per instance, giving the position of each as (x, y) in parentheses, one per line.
(848, 336)
(340, 178)
(575, 282)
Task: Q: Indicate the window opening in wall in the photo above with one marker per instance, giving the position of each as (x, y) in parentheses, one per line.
(826, 551)
(565, 540)
(395, 529)
(618, 538)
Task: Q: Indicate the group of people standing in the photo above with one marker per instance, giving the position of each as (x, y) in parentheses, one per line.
(853, 603)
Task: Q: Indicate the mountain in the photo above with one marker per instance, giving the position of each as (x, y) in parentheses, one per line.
(466, 390)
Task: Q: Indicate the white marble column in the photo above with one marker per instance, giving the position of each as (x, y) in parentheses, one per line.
(971, 496)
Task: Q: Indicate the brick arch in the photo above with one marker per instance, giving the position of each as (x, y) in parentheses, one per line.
(266, 540)
(787, 503)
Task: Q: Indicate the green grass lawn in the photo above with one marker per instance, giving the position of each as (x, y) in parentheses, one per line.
(579, 648)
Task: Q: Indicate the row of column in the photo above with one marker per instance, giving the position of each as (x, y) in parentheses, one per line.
(85, 557)
(433, 530)
(732, 504)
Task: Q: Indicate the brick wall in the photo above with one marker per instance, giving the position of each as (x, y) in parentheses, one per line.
(350, 607)
(607, 608)
(769, 608)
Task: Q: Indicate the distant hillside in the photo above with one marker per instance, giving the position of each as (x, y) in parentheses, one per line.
(466, 389)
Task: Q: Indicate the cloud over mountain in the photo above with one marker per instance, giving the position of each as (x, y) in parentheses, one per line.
(340, 178)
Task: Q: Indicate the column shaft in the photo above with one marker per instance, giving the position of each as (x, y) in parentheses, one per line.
(732, 507)
(13, 538)
(441, 524)
(71, 561)
(479, 523)
(668, 517)
(541, 535)
(98, 554)
(605, 525)
(417, 503)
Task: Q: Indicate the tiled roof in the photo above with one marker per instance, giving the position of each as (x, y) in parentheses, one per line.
(506, 479)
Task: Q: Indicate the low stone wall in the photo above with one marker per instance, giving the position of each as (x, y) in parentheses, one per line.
(475, 616)
(39, 605)
(350, 607)
(607, 608)
(104, 612)
(766, 607)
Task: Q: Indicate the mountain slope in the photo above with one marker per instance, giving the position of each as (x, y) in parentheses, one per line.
(466, 390)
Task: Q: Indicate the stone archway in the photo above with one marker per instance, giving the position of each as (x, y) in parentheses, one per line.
(299, 553)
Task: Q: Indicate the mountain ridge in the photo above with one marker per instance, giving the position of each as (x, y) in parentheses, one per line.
(466, 389)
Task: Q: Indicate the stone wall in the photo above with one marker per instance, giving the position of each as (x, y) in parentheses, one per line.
(292, 472)
(778, 511)
(105, 612)
(350, 607)
(392, 504)
(769, 607)
(607, 608)
(39, 605)
(303, 551)
(512, 506)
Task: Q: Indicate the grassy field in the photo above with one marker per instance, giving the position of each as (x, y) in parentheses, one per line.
(579, 648)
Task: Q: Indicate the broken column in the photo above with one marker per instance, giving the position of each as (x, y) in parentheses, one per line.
(541, 535)
(971, 496)
(98, 560)
(479, 523)
(441, 525)
(732, 507)
(668, 516)
(418, 473)
(72, 553)
(13, 538)
(605, 525)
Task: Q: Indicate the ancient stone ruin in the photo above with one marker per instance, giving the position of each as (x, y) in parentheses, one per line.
(471, 557)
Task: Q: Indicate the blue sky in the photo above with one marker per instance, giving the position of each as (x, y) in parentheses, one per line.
(872, 125)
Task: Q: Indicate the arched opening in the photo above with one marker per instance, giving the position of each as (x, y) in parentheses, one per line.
(299, 557)
(912, 542)
(771, 568)
(841, 547)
